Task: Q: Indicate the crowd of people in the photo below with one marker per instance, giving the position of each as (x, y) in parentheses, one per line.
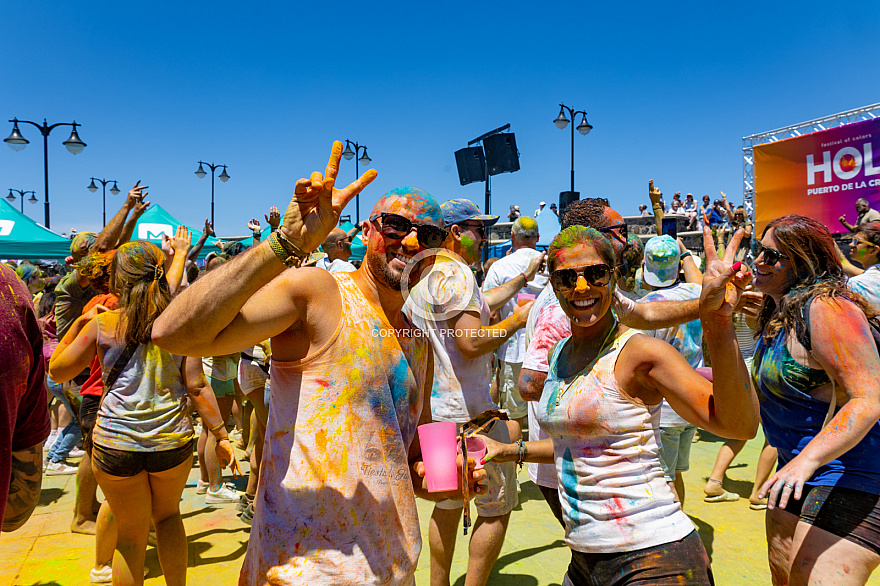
(611, 351)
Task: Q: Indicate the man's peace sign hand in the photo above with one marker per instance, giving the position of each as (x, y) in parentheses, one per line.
(317, 204)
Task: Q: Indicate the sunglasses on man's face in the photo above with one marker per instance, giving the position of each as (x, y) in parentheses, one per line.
(618, 229)
(478, 228)
(564, 280)
(771, 255)
(398, 227)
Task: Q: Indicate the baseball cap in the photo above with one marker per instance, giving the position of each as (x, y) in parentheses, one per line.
(690, 195)
(662, 259)
(460, 210)
(543, 204)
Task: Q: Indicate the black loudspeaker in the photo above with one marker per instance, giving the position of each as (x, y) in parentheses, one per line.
(566, 198)
(501, 154)
(471, 165)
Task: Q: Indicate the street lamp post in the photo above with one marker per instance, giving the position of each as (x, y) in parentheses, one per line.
(224, 177)
(348, 154)
(17, 142)
(32, 198)
(114, 190)
(584, 128)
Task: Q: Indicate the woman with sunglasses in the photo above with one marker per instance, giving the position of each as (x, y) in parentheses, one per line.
(815, 353)
(601, 408)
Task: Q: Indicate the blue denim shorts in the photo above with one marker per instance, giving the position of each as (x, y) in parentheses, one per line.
(675, 449)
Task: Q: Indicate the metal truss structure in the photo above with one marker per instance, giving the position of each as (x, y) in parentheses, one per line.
(749, 142)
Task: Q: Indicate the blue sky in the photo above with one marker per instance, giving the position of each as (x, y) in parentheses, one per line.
(265, 89)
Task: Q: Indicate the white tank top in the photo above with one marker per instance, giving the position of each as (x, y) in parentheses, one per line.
(605, 443)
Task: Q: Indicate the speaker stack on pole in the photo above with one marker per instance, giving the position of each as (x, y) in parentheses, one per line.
(501, 153)
(471, 165)
(566, 198)
(478, 162)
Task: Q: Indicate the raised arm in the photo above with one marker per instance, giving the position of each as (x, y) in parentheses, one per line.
(128, 230)
(197, 247)
(654, 194)
(692, 273)
(180, 243)
(197, 322)
(727, 407)
(109, 236)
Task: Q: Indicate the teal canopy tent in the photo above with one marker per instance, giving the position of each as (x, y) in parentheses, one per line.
(156, 221)
(21, 238)
(358, 248)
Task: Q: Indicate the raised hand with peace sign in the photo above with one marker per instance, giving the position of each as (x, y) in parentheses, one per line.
(724, 281)
(317, 204)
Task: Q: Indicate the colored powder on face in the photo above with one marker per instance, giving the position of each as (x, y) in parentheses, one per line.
(468, 246)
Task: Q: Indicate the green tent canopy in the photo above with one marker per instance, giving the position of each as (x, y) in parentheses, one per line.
(21, 238)
(157, 221)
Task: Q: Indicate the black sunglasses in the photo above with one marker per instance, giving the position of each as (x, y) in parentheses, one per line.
(621, 228)
(564, 280)
(397, 227)
(478, 228)
(771, 255)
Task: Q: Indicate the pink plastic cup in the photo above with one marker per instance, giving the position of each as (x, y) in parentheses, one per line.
(476, 449)
(523, 298)
(439, 450)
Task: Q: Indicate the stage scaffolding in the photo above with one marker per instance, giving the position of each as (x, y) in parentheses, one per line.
(749, 142)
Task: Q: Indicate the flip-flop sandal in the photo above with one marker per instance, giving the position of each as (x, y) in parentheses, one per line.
(758, 506)
(725, 497)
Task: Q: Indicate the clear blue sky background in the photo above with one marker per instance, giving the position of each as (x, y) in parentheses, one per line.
(670, 90)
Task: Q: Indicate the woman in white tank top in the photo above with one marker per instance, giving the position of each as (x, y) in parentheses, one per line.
(601, 408)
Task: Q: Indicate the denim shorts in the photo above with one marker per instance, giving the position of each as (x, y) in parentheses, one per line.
(126, 463)
(675, 449)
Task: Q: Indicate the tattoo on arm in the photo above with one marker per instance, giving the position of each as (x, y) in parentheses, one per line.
(24, 487)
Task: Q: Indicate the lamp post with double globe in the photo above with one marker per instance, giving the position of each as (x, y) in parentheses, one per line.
(114, 190)
(17, 142)
(11, 198)
(348, 154)
(584, 128)
(224, 177)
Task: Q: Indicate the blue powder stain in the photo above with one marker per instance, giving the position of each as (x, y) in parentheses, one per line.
(569, 485)
(435, 389)
(397, 381)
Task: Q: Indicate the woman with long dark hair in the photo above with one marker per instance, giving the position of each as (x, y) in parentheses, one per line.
(817, 372)
(142, 442)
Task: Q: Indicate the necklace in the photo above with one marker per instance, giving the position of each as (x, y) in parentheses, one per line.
(564, 389)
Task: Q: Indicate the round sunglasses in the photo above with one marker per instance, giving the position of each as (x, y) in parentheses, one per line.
(771, 255)
(398, 227)
(564, 280)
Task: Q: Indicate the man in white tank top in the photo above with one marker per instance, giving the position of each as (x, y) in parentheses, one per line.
(351, 381)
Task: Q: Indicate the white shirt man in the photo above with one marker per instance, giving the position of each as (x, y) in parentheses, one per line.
(524, 236)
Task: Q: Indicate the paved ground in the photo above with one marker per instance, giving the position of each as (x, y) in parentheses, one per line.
(45, 553)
